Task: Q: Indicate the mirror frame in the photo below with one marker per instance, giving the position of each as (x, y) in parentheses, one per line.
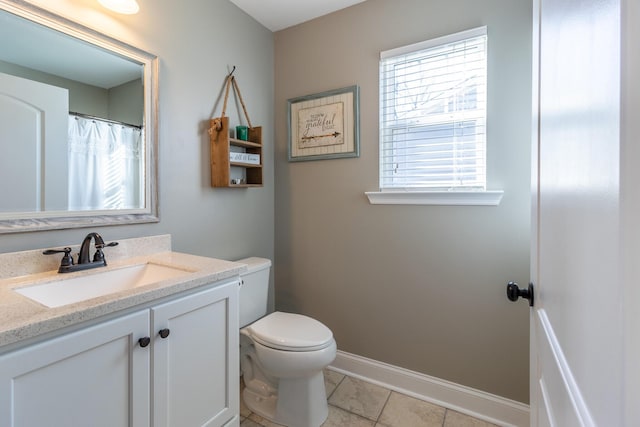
(52, 220)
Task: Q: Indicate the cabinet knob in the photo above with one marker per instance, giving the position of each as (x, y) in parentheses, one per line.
(164, 332)
(145, 341)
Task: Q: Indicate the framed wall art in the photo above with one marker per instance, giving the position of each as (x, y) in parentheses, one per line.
(324, 125)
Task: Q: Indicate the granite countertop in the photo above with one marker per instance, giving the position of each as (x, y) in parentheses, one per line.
(22, 318)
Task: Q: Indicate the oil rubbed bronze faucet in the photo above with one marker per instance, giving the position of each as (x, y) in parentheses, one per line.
(84, 261)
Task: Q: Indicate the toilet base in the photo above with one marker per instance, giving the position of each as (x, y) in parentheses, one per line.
(305, 402)
(261, 405)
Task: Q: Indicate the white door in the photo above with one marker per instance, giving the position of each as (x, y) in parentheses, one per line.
(33, 142)
(584, 200)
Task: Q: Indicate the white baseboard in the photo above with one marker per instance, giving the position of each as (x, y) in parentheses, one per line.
(476, 403)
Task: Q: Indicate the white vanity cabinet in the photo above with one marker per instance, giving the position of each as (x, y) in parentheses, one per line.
(196, 367)
(96, 376)
(103, 376)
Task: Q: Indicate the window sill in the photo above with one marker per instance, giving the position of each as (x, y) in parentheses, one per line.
(445, 198)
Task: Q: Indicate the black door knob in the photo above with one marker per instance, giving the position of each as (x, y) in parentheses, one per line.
(145, 341)
(514, 292)
(164, 332)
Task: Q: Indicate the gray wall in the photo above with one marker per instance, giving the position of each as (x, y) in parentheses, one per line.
(420, 287)
(195, 45)
(126, 102)
(83, 98)
(123, 103)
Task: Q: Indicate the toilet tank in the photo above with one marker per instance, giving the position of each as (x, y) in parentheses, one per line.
(254, 290)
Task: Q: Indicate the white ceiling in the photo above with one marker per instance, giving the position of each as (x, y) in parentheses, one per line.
(58, 57)
(280, 14)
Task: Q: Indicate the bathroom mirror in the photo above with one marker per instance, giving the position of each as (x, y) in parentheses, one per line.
(78, 125)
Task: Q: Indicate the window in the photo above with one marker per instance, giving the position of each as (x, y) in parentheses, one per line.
(433, 114)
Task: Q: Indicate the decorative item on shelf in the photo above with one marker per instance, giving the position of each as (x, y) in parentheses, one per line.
(242, 157)
(245, 160)
(242, 132)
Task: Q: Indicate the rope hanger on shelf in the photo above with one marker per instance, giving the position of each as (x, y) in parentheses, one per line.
(230, 81)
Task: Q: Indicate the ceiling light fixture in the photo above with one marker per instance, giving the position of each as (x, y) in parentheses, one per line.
(127, 7)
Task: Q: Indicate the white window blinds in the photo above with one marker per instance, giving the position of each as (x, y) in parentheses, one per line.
(433, 114)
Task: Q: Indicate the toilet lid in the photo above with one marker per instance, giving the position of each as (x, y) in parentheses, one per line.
(292, 332)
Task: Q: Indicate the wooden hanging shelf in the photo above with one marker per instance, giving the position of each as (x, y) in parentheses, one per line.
(226, 173)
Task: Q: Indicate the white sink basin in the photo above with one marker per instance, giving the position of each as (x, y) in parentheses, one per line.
(97, 283)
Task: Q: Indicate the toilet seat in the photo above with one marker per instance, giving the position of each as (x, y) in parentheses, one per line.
(290, 332)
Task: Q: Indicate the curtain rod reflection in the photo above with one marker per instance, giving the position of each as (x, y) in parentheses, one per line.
(115, 122)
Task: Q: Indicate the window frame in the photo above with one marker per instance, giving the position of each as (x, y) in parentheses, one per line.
(432, 194)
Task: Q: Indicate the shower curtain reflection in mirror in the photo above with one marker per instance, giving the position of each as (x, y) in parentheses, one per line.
(105, 165)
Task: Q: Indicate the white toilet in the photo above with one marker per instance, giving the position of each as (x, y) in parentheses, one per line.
(282, 356)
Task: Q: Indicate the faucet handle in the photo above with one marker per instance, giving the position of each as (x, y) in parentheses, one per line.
(99, 255)
(67, 259)
(104, 245)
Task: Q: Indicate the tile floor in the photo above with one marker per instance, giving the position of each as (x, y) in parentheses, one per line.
(356, 403)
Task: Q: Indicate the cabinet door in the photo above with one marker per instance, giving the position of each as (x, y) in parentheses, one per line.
(97, 376)
(196, 374)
